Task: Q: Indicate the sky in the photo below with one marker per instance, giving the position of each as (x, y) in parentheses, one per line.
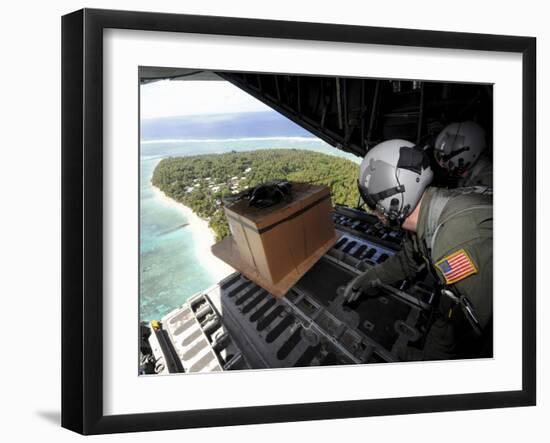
(177, 98)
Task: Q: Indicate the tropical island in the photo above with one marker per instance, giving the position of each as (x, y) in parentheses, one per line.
(201, 181)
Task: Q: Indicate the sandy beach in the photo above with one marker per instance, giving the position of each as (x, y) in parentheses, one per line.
(203, 237)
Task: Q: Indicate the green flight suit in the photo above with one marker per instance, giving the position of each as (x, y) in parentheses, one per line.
(450, 222)
(481, 174)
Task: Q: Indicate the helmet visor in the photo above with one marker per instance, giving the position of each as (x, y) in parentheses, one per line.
(364, 193)
(450, 146)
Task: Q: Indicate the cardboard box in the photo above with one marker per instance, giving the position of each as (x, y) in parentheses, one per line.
(275, 246)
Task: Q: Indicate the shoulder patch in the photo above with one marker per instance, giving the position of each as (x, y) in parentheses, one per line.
(456, 266)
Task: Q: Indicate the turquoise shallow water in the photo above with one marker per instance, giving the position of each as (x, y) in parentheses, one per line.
(170, 271)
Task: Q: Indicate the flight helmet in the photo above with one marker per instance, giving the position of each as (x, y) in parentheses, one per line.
(459, 146)
(392, 178)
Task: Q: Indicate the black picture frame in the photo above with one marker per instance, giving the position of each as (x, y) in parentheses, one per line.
(82, 216)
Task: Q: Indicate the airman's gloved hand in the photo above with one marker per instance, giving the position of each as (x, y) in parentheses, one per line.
(366, 283)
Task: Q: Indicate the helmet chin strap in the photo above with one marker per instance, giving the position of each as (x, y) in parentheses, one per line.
(394, 208)
(395, 223)
(395, 216)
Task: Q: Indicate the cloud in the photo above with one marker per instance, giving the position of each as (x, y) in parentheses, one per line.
(176, 98)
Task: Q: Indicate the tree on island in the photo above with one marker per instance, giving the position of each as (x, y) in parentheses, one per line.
(200, 181)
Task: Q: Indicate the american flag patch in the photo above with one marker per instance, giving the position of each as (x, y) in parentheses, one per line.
(456, 266)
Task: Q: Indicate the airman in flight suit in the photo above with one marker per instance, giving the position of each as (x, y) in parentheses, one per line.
(461, 150)
(449, 232)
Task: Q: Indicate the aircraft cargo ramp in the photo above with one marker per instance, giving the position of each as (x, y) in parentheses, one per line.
(238, 325)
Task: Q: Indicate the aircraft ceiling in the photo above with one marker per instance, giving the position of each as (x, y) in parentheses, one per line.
(354, 114)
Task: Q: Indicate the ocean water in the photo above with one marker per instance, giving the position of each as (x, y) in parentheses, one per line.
(170, 268)
(221, 126)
